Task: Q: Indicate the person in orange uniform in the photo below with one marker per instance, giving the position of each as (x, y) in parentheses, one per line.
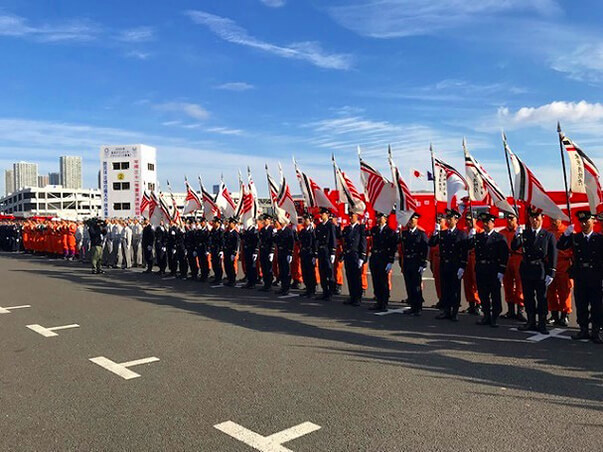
(296, 270)
(559, 294)
(469, 279)
(434, 261)
(512, 279)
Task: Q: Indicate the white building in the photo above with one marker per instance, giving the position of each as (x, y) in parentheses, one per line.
(9, 181)
(126, 171)
(70, 171)
(53, 200)
(25, 174)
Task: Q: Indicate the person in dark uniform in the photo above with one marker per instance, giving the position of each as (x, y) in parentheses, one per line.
(172, 249)
(308, 254)
(414, 262)
(161, 248)
(537, 269)
(354, 256)
(266, 234)
(588, 275)
(148, 239)
(383, 253)
(326, 242)
(97, 230)
(202, 247)
(251, 250)
(190, 243)
(285, 241)
(491, 256)
(232, 242)
(216, 248)
(181, 252)
(453, 260)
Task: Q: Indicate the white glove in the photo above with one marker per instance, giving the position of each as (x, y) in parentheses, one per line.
(254, 257)
(289, 259)
(232, 257)
(472, 232)
(313, 261)
(194, 254)
(548, 280)
(173, 251)
(207, 253)
(421, 270)
(388, 267)
(332, 258)
(163, 248)
(460, 273)
(569, 230)
(500, 277)
(438, 228)
(360, 263)
(519, 231)
(270, 257)
(221, 254)
(149, 248)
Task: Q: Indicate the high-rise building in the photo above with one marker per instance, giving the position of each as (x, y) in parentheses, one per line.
(43, 181)
(54, 178)
(126, 171)
(9, 181)
(71, 171)
(26, 175)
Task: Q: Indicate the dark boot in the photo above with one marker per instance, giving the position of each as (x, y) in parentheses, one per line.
(530, 325)
(542, 327)
(445, 314)
(582, 334)
(564, 319)
(454, 315)
(510, 311)
(494, 322)
(486, 320)
(596, 336)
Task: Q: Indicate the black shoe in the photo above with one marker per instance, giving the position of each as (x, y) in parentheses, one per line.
(484, 321)
(508, 315)
(596, 337)
(337, 290)
(376, 307)
(443, 315)
(527, 327)
(454, 317)
(355, 303)
(542, 329)
(521, 317)
(494, 322)
(582, 334)
(295, 285)
(563, 320)
(265, 289)
(349, 301)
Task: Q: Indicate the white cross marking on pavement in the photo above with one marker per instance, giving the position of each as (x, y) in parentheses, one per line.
(50, 332)
(392, 311)
(291, 295)
(216, 286)
(121, 369)
(556, 332)
(7, 310)
(272, 443)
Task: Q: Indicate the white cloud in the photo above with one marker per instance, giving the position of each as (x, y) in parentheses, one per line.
(139, 34)
(139, 55)
(584, 114)
(195, 111)
(311, 52)
(236, 86)
(274, 3)
(224, 131)
(75, 30)
(399, 18)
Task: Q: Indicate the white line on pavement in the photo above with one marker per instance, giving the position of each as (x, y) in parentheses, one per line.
(121, 369)
(291, 295)
(50, 332)
(392, 311)
(538, 337)
(272, 443)
(216, 286)
(7, 310)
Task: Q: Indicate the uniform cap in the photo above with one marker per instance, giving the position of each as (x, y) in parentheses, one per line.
(584, 215)
(534, 212)
(486, 217)
(452, 213)
(324, 210)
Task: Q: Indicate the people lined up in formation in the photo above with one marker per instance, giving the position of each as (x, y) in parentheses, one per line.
(536, 267)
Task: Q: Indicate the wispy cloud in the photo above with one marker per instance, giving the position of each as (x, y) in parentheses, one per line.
(273, 3)
(235, 86)
(309, 51)
(399, 18)
(195, 111)
(139, 34)
(584, 63)
(224, 131)
(75, 30)
(138, 54)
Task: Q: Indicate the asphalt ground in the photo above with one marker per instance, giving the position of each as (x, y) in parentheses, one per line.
(371, 383)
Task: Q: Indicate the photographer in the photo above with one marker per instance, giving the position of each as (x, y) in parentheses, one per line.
(97, 230)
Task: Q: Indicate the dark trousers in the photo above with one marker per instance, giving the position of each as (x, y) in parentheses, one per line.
(284, 272)
(488, 289)
(182, 262)
(203, 265)
(588, 294)
(216, 265)
(229, 267)
(251, 270)
(308, 272)
(161, 259)
(148, 258)
(172, 260)
(377, 264)
(267, 275)
(353, 275)
(414, 282)
(451, 287)
(193, 263)
(325, 269)
(534, 299)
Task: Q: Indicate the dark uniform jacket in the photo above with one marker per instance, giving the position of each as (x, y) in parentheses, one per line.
(414, 249)
(491, 253)
(588, 255)
(285, 239)
(232, 242)
(326, 238)
(267, 240)
(148, 236)
(384, 243)
(202, 240)
(307, 242)
(216, 241)
(251, 241)
(190, 241)
(354, 241)
(160, 236)
(539, 253)
(453, 247)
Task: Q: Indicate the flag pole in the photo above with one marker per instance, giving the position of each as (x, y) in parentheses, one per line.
(567, 195)
(467, 184)
(504, 138)
(435, 198)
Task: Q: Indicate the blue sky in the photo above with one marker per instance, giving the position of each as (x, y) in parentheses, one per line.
(217, 85)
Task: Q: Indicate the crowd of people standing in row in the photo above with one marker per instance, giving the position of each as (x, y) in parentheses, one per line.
(536, 267)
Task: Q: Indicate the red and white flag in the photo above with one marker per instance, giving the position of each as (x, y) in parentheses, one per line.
(348, 194)
(529, 189)
(380, 192)
(286, 206)
(192, 202)
(225, 202)
(448, 181)
(482, 188)
(210, 209)
(313, 194)
(158, 210)
(144, 204)
(417, 174)
(246, 209)
(406, 205)
(254, 191)
(584, 175)
(174, 212)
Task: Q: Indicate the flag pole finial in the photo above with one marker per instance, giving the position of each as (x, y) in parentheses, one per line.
(558, 127)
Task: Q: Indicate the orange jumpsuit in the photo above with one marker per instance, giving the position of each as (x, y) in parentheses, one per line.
(469, 278)
(338, 265)
(296, 273)
(512, 279)
(559, 293)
